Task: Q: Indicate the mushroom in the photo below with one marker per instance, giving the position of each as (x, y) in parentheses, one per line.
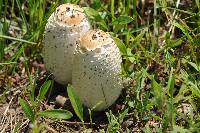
(61, 36)
(96, 70)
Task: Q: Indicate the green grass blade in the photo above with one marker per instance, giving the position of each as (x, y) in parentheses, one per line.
(122, 20)
(138, 39)
(120, 45)
(170, 84)
(184, 30)
(1, 8)
(7, 63)
(155, 43)
(43, 90)
(135, 13)
(156, 88)
(22, 15)
(55, 114)
(197, 3)
(181, 94)
(4, 26)
(16, 39)
(96, 4)
(92, 13)
(127, 8)
(195, 66)
(112, 9)
(27, 110)
(75, 101)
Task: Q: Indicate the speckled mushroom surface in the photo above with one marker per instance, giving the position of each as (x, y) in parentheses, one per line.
(61, 36)
(96, 71)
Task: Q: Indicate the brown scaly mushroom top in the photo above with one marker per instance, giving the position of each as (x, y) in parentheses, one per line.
(95, 38)
(69, 14)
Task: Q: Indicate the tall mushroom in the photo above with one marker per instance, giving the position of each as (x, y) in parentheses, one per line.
(61, 36)
(96, 71)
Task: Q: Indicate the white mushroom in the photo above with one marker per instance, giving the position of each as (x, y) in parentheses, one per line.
(96, 71)
(61, 36)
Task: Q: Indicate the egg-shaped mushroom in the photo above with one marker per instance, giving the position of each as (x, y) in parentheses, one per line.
(61, 36)
(96, 71)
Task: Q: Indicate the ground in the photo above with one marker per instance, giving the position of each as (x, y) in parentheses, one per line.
(159, 41)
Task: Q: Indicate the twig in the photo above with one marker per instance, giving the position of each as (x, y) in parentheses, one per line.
(6, 110)
(80, 123)
(21, 126)
(171, 29)
(50, 129)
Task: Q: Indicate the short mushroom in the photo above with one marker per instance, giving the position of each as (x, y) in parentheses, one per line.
(61, 36)
(96, 71)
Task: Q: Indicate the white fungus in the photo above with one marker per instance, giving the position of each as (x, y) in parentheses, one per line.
(61, 36)
(96, 70)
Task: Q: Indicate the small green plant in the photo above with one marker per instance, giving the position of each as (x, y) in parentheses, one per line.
(114, 125)
(33, 113)
(114, 122)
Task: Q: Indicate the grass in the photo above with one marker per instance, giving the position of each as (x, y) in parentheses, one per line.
(161, 64)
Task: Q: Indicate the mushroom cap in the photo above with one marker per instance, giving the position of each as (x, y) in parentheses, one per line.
(96, 71)
(95, 39)
(61, 36)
